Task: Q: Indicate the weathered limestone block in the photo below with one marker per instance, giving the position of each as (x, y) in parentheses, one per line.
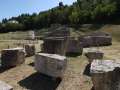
(86, 41)
(30, 49)
(50, 64)
(12, 57)
(91, 55)
(101, 40)
(4, 86)
(106, 74)
(96, 39)
(55, 45)
(74, 46)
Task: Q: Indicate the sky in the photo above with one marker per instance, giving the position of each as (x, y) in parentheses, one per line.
(9, 8)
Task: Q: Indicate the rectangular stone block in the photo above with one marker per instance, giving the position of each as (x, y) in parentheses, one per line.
(50, 64)
(96, 39)
(74, 46)
(4, 86)
(106, 74)
(91, 55)
(55, 45)
(12, 57)
(102, 40)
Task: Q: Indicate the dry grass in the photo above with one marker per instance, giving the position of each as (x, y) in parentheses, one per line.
(114, 30)
(24, 77)
(13, 35)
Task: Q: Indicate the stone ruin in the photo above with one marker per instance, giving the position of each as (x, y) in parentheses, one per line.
(50, 64)
(61, 45)
(91, 55)
(74, 46)
(4, 86)
(67, 44)
(12, 57)
(55, 45)
(96, 39)
(105, 74)
(29, 49)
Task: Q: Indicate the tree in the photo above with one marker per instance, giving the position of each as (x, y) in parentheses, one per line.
(4, 20)
(82, 11)
(13, 27)
(75, 15)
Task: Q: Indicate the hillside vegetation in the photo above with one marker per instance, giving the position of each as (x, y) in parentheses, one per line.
(114, 30)
(81, 12)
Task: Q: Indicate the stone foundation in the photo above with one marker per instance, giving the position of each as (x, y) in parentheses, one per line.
(106, 74)
(50, 64)
(94, 55)
(12, 57)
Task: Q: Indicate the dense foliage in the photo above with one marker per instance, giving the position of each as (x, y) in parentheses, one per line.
(82, 11)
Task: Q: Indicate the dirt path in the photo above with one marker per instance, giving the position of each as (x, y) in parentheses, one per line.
(74, 78)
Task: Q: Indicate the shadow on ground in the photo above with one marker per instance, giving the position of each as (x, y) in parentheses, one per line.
(3, 69)
(73, 54)
(87, 70)
(39, 81)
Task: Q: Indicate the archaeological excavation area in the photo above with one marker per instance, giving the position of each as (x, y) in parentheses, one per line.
(61, 61)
